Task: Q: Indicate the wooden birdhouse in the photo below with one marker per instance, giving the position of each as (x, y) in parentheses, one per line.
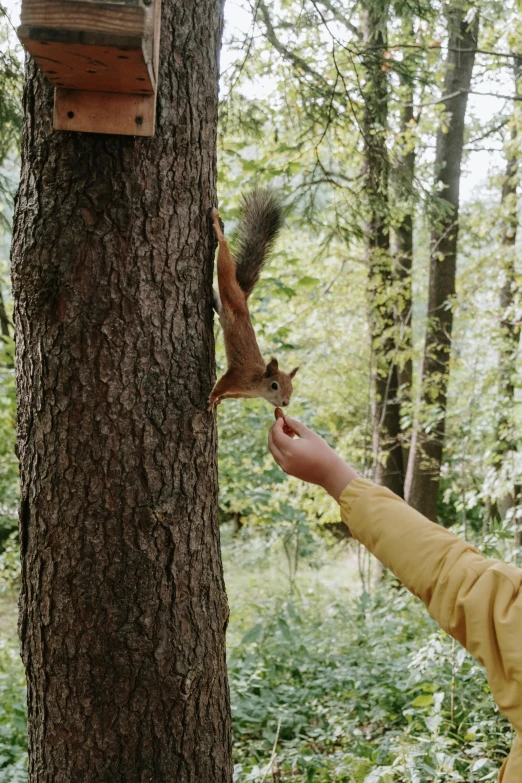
(102, 58)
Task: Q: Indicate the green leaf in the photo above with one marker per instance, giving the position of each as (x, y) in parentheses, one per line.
(254, 634)
(308, 282)
(426, 700)
(285, 629)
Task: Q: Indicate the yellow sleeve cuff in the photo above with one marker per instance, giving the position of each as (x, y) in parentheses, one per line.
(352, 492)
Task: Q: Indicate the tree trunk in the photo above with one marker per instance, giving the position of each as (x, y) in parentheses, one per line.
(403, 176)
(506, 443)
(386, 408)
(122, 608)
(425, 461)
(509, 328)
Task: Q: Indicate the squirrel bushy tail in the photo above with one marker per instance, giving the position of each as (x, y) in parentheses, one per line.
(260, 220)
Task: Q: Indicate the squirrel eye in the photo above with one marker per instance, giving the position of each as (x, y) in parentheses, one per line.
(275, 386)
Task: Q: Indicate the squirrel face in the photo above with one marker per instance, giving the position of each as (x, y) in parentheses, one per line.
(277, 385)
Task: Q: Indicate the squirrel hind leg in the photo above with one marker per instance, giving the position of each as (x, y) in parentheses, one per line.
(217, 301)
(218, 225)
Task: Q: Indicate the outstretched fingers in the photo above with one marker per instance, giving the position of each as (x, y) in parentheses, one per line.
(280, 439)
(299, 429)
(286, 429)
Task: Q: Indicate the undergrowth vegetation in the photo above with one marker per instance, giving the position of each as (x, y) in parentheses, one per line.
(349, 686)
(13, 741)
(329, 683)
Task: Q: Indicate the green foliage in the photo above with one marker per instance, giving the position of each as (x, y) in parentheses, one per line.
(10, 566)
(11, 77)
(363, 687)
(9, 490)
(293, 110)
(10, 127)
(11, 73)
(8, 460)
(13, 740)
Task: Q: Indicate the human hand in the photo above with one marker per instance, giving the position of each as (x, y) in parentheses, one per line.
(302, 453)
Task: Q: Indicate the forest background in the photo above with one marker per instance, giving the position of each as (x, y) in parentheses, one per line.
(351, 111)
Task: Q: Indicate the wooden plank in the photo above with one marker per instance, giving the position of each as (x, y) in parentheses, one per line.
(89, 16)
(110, 2)
(50, 35)
(93, 112)
(77, 66)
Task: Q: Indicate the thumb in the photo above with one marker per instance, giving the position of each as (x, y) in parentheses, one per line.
(297, 427)
(278, 435)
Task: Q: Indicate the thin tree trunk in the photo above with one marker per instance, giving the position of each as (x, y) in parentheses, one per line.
(386, 426)
(510, 330)
(122, 607)
(425, 461)
(403, 176)
(506, 443)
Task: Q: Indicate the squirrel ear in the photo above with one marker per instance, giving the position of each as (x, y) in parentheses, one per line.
(272, 368)
(294, 372)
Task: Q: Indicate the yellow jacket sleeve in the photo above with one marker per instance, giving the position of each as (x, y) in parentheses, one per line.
(477, 601)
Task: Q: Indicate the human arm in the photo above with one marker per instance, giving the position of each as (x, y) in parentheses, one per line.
(477, 601)
(308, 456)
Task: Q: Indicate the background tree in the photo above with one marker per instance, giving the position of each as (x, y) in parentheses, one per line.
(346, 127)
(123, 609)
(403, 225)
(310, 137)
(425, 462)
(387, 446)
(507, 435)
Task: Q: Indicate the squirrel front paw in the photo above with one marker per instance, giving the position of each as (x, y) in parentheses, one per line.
(213, 402)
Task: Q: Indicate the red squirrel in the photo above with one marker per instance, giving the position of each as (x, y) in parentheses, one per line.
(247, 375)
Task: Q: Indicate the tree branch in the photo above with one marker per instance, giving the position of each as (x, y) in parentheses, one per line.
(451, 95)
(510, 55)
(282, 49)
(341, 18)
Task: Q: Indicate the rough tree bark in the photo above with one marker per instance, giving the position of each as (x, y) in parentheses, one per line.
(386, 406)
(123, 607)
(422, 482)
